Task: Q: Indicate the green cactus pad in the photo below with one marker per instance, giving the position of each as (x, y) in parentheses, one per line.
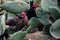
(18, 35)
(45, 4)
(55, 29)
(43, 16)
(55, 12)
(34, 22)
(15, 7)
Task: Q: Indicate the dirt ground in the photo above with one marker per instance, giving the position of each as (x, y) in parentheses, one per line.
(38, 36)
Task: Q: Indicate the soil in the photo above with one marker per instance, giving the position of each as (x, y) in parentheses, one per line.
(38, 36)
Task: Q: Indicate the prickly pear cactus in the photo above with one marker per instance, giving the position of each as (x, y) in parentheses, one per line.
(33, 24)
(3, 21)
(18, 35)
(21, 34)
(55, 11)
(43, 16)
(55, 29)
(15, 7)
(45, 4)
(2, 24)
(10, 15)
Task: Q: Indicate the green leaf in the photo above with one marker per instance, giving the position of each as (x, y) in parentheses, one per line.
(15, 7)
(10, 15)
(55, 12)
(18, 35)
(34, 22)
(1, 26)
(55, 29)
(45, 4)
(2, 23)
(43, 16)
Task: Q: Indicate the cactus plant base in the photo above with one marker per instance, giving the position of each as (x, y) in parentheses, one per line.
(18, 35)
